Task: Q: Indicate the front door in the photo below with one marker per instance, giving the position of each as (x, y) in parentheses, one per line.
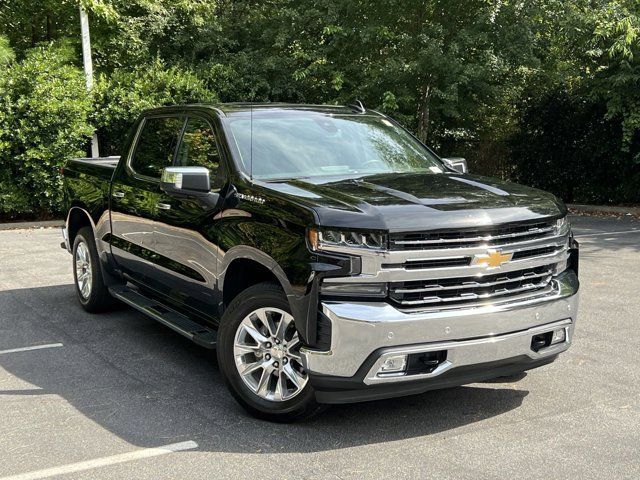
(135, 194)
(183, 229)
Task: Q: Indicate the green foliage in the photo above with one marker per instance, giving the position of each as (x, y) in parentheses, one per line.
(616, 53)
(122, 95)
(476, 78)
(28, 22)
(43, 122)
(6, 52)
(128, 33)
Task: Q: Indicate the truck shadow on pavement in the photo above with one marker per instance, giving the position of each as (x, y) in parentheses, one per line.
(149, 386)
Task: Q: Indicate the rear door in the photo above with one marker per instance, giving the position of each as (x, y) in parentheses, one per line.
(135, 194)
(184, 231)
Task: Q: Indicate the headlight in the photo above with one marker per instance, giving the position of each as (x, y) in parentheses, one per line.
(325, 239)
(563, 226)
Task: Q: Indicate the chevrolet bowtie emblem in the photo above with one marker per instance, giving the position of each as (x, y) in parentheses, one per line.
(491, 259)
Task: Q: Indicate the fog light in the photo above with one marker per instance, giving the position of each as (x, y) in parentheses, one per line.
(559, 336)
(394, 364)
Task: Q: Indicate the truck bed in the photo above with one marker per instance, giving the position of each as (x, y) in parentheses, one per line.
(100, 167)
(87, 183)
(106, 162)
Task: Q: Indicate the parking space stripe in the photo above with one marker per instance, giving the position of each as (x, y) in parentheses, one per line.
(34, 347)
(104, 461)
(580, 235)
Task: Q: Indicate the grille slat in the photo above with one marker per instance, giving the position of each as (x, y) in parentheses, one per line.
(475, 284)
(468, 301)
(476, 296)
(504, 235)
(464, 261)
(461, 291)
(536, 252)
(431, 263)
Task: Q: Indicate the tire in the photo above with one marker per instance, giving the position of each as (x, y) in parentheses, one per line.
(93, 294)
(279, 399)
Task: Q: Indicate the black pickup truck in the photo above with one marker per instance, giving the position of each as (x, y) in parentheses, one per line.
(323, 251)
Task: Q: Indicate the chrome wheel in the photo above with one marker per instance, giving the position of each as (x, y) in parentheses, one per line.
(84, 274)
(266, 351)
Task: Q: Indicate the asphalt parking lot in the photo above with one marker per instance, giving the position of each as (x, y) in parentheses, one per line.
(119, 396)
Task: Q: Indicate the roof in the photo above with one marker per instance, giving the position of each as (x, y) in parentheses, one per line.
(245, 107)
(239, 108)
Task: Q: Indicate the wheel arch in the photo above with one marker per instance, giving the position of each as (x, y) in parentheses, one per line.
(245, 266)
(78, 218)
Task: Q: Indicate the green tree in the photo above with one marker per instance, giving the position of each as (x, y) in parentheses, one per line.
(469, 77)
(130, 33)
(29, 22)
(616, 73)
(121, 95)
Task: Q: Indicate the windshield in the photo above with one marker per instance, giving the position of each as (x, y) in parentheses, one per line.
(302, 144)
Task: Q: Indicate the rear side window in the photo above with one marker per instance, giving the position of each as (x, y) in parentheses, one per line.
(156, 145)
(199, 146)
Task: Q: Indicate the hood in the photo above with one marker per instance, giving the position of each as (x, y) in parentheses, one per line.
(410, 202)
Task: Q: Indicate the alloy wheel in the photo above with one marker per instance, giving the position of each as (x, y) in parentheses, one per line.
(267, 355)
(83, 270)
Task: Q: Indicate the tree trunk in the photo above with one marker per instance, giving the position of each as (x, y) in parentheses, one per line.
(423, 113)
(34, 35)
(49, 28)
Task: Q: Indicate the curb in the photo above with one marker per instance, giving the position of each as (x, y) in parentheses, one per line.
(604, 209)
(31, 225)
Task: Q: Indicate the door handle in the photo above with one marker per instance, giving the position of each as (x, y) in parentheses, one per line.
(163, 206)
(118, 194)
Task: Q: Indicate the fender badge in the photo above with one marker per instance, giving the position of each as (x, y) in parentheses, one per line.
(251, 198)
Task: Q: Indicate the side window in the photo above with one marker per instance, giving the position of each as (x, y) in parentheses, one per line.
(156, 145)
(198, 147)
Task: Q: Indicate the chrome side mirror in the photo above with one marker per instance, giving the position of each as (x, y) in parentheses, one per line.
(457, 163)
(185, 180)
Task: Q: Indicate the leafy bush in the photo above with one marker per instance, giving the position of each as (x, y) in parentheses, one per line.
(123, 94)
(6, 52)
(43, 122)
(46, 118)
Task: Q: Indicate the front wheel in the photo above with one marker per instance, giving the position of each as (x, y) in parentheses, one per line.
(259, 356)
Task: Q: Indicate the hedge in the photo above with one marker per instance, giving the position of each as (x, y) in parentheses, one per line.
(47, 117)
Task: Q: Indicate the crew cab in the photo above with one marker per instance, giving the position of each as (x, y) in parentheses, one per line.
(324, 252)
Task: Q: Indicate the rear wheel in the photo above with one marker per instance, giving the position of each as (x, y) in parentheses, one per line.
(93, 294)
(259, 356)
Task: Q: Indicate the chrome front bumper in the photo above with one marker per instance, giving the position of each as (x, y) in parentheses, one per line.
(470, 336)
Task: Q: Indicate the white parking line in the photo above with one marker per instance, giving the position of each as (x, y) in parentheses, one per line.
(104, 461)
(606, 233)
(27, 349)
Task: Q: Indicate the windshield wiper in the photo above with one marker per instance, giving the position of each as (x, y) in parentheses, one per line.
(284, 179)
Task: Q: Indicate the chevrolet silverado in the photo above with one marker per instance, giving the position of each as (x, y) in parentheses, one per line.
(324, 252)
